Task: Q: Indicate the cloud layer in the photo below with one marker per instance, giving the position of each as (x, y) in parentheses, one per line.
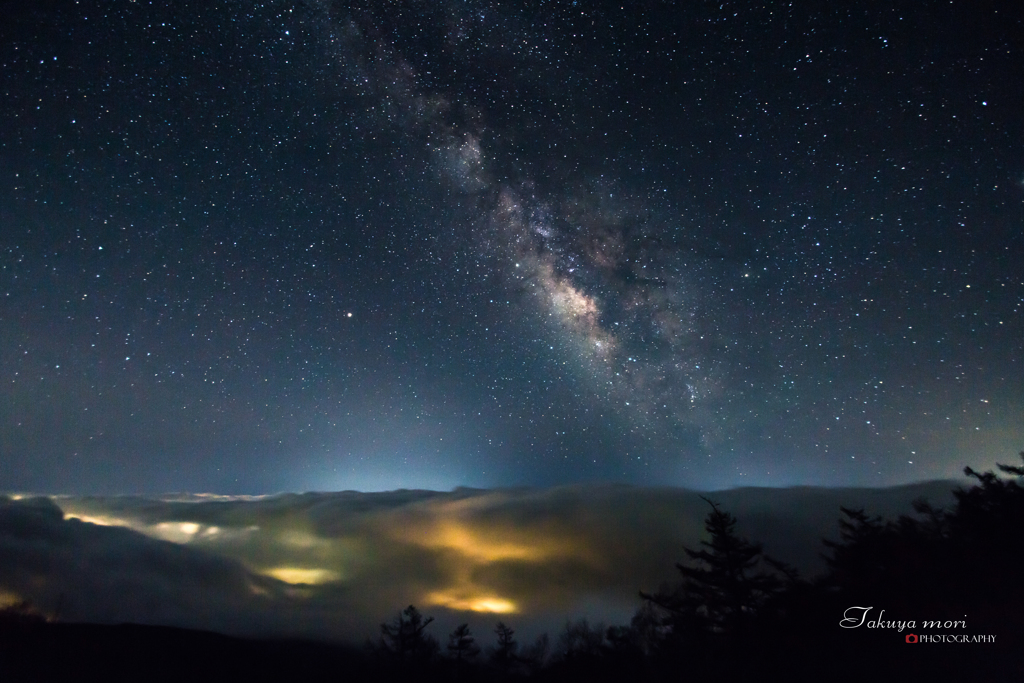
(335, 565)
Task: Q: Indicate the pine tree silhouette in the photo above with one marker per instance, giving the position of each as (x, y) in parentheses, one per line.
(462, 645)
(462, 649)
(404, 637)
(581, 640)
(725, 590)
(504, 653)
(943, 561)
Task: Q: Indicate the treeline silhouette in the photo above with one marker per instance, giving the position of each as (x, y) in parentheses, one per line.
(737, 614)
(734, 614)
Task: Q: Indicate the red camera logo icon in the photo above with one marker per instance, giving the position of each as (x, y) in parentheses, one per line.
(911, 638)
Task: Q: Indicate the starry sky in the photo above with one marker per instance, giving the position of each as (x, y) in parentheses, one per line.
(249, 247)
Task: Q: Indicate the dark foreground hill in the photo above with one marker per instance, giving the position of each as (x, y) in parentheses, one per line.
(36, 650)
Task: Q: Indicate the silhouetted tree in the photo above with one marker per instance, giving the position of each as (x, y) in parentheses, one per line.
(404, 637)
(581, 640)
(461, 644)
(943, 561)
(725, 590)
(993, 510)
(646, 629)
(937, 566)
(504, 653)
(462, 648)
(535, 655)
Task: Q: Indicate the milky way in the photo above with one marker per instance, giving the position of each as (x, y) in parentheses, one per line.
(255, 247)
(622, 309)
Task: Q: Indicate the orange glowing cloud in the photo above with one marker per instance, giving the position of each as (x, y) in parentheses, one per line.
(471, 603)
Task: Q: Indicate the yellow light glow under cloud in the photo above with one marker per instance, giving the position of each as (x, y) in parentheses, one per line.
(98, 520)
(303, 575)
(462, 535)
(477, 603)
(8, 599)
(481, 546)
(453, 526)
(176, 532)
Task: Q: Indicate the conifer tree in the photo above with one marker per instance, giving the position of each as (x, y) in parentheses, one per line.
(504, 653)
(723, 592)
(404, 637)
(461, 644)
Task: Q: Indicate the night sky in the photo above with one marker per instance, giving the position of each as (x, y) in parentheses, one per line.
(253, 247)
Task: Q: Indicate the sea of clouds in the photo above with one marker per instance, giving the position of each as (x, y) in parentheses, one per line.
(337, 565)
